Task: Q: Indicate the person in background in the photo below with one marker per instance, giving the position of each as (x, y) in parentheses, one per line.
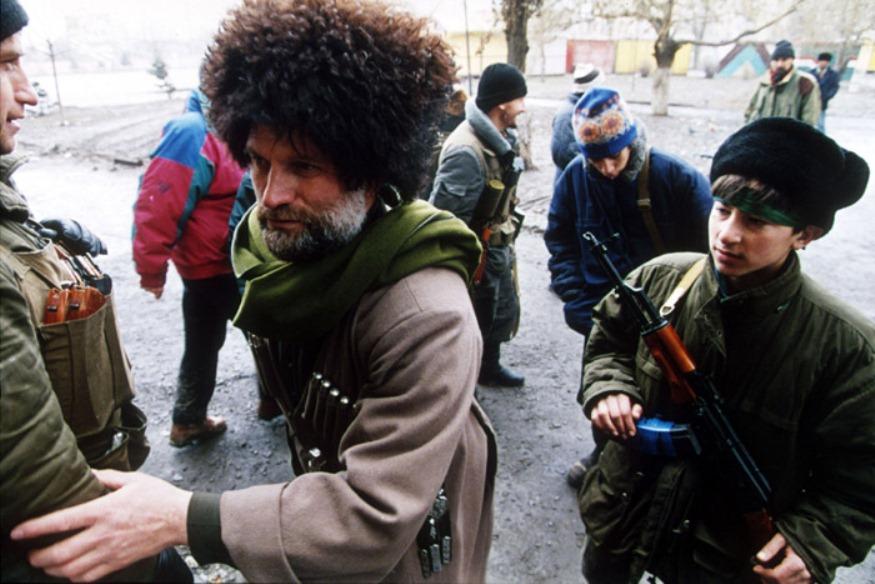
(477, 155)
(66, 390)
(455, 115)
(652, 200)
(785, 91)
(357, 305)
(563, 147)
(794, 368)
(181, 215)
(828, 80)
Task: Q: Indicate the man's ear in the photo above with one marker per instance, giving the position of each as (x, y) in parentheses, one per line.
(808, 234)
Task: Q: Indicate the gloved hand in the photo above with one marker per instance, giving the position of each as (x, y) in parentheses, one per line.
(73, 236)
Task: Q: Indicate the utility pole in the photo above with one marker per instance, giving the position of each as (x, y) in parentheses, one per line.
(468, 47)
(57, 88)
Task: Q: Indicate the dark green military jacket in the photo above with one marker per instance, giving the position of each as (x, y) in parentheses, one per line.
(796, 96)
(796, 368)
(41, 469)
(41, 466)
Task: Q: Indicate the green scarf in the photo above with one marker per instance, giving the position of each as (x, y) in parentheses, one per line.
(304, 301)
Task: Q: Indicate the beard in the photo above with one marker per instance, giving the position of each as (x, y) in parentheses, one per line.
(322, 233)
(510, 120)
(779, 73)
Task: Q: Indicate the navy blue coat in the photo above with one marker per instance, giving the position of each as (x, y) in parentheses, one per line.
(829, 85)
(583, 200)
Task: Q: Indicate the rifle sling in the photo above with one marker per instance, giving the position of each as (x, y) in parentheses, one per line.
(645, 205)
(686, 281)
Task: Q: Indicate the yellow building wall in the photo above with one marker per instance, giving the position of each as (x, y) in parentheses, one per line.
(871, 47)
(632, 54)
(486, 48)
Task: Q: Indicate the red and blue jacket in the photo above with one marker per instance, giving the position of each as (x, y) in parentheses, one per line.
(184, 202)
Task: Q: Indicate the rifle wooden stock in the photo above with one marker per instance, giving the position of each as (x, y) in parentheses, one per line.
(690, 386)
(481, 266)
(672, 357)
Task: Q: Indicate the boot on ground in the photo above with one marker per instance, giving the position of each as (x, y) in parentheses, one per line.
(184, 434)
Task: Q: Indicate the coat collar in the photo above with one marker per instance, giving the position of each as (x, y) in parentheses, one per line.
(485, 129)
(770, 298)
(12, 203)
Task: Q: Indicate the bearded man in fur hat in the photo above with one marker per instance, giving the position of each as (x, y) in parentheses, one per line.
(356, 303)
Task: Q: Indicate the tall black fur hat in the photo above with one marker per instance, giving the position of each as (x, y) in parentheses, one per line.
(12, 18)
(817, 175)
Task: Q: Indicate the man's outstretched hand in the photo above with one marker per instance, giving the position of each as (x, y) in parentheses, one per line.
(142, 516)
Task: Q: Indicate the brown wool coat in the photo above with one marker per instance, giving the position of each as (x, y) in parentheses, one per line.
(411, 350)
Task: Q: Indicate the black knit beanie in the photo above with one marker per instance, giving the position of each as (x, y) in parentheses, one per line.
(499, 83)
(783, 50)
(12, 18)
(817, 176)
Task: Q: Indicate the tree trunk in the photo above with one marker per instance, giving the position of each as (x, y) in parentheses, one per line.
(659, 99)
(664, 51)
(524, 134)
(516, 22)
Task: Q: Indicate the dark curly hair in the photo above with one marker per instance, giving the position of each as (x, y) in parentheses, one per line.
(364, 83)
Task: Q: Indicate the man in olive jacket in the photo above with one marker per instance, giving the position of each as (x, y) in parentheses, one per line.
(795, 368)
(785, 91)
(356, 303)
(65, 388)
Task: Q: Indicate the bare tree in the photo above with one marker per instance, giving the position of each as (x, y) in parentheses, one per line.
(548, 23)
(841, 22)
(702, 16)
(516, 14)
(667, 18)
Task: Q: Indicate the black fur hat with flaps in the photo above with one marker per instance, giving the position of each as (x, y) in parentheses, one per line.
(817, 176)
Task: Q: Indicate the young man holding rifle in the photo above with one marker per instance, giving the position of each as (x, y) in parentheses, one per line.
(794, 373)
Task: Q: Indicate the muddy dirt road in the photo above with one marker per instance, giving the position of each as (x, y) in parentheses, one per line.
(538, 533)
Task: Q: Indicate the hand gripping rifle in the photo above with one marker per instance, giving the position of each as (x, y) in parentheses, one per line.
(709, 429)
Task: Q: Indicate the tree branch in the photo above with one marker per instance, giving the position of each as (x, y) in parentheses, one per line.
(738, 37)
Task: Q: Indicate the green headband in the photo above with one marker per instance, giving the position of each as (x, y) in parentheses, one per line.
(746, 200)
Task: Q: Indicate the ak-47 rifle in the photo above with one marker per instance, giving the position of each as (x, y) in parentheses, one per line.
(481, 221)
(709, 427)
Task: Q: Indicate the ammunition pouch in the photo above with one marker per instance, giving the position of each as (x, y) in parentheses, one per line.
(517, 219)
(83, 354)
(434, 541)
(320, 420)
(487, 205)
(317, 423)
(122, 446)
(499, 238)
